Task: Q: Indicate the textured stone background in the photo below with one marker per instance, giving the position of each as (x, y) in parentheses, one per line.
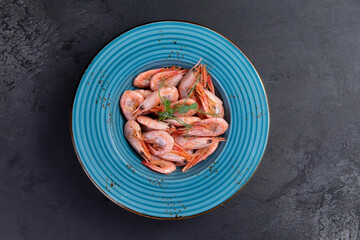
(308, 54)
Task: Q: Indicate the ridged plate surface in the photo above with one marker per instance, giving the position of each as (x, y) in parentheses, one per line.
(114, 167)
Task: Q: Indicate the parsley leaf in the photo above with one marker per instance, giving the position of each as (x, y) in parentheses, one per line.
(167, 104)
(186, 108)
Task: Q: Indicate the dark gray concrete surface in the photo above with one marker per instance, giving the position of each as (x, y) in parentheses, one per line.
(308, 54)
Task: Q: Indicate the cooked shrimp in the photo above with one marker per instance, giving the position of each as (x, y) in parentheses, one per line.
(161, 166)
(189, 120)
(188, 81)
(129, 101)
(133, 134)
(196, 142)
(172, 77)
(201, 155)
(144, 93)
(170, 93)
(210, 102)
(153, 124)
(211, 127)
(173, 157)
(143, 79)
(162, 142)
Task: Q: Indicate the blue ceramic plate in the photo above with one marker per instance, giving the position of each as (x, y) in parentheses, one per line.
(115, 168)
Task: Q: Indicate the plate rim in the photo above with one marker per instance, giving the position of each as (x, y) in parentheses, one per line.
(176, 217)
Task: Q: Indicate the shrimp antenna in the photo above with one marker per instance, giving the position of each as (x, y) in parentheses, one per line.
(196, 64)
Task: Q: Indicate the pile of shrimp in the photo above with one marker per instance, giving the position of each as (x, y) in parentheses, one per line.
(191, 122)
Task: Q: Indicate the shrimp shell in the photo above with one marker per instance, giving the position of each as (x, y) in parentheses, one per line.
(160, 166)
(210, 127)
(132, 132)
(173, 157)
(162, 142)
(143, 79)
(188, 81)
(152, 124)
(196, 142)
(210, 102)
(129, 101)
(169, 78)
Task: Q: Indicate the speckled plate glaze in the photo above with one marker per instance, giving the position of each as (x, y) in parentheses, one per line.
(115, 168)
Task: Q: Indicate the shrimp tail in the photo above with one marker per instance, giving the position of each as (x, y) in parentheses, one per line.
(180, 151)
(191, 163)
(182, 154)
(179, 131)
(178, 147)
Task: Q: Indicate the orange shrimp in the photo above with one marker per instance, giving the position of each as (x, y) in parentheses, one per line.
(210, 102)
(201, 155)
(160, 166)
(189, 120)
(129, 101)
(170, 93)
(152, 123)
(162, 142)
(171, 77)
(211, 127)
(173, 157)
(132, 132)
(196, 142)
(188, 81)
(143, 79)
